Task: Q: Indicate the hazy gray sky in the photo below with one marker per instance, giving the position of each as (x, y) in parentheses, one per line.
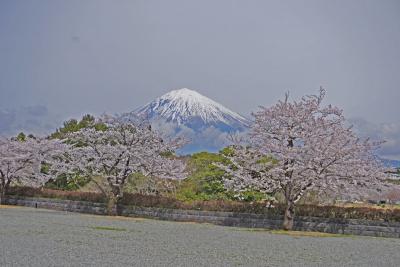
(94, 56)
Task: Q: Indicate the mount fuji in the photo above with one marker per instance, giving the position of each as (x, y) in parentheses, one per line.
(187, 113)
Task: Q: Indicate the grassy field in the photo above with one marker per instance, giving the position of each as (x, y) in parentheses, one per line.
(37, 237)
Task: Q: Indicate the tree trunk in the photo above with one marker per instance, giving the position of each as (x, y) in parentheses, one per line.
(114, 197)
(112, 205)
(2, 196)
(289, 216)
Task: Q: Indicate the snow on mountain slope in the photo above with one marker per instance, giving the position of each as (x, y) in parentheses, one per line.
(184, 112)
(189, 108)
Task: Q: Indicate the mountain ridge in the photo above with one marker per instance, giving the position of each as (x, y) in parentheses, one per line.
(190, 114)
(192, 109)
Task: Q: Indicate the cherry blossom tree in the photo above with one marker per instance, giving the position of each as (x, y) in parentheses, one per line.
(302, 146)
(124, 147)
(21, 161)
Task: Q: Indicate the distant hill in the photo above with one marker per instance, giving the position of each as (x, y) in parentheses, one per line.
(29, 119)
(391, 163)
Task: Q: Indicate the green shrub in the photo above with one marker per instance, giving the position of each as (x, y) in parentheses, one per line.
(205, 179)
(72, 125)
(59, 194)
(69, 183)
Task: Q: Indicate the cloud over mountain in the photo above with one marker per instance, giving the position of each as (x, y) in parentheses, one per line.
(389, 132)
(30, 119)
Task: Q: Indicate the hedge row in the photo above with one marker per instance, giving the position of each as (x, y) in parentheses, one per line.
(337, 212)
(59, 194)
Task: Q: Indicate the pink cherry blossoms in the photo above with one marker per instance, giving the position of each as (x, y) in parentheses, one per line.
(313, 150)
(21, 161)
(119, 150)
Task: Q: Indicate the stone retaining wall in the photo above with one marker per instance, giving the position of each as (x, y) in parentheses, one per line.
(336, 226)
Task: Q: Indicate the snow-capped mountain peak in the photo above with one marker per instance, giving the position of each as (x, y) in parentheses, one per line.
(201, 120)
(183, 106)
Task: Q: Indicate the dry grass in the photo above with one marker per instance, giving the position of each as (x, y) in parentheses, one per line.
(367, 205)
(9, 207)
(308, 234)
(294, 233)
(118, 218)
(106, 228)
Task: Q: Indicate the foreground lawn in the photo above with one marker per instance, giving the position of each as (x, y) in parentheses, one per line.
(36, 237)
